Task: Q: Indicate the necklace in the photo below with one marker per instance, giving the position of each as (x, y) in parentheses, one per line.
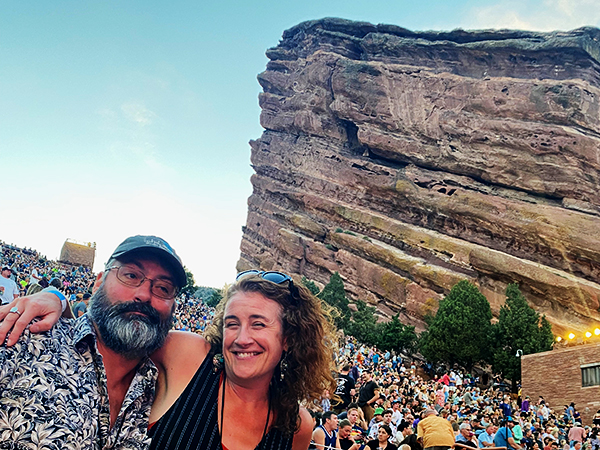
(264, 433)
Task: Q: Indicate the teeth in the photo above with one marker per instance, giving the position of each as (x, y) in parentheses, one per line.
(245, 355)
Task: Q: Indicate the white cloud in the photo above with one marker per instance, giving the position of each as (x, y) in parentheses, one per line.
(535, 15)
(130, 130)
(138, 113)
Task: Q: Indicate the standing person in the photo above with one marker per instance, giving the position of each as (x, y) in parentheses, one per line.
(346, 389)
(8, 288)
(434, 431)
(368, 395)
(89, 383)
(324, 436)
(576, 434)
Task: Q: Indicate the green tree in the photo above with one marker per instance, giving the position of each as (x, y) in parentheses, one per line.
(519, 327)
(189, 287)
(461, 329)
(364, 325)
(215, 298)
(334, 294)
(312, 287)
(394, 335)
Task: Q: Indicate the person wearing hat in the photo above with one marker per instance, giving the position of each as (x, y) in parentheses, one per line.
(504, 436)
(9, 290)
(88, 383)
(80, 307)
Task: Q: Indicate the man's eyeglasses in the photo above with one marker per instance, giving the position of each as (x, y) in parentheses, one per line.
(134, 277)
(273, 277)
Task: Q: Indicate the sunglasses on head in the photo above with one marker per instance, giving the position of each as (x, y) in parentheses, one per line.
(273, 277)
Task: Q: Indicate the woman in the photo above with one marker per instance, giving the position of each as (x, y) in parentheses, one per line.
(382, 443)
(267, 350)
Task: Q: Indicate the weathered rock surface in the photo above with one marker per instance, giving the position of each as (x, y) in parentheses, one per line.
(408, 161)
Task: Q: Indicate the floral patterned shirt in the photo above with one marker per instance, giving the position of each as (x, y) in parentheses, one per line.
(53, 394)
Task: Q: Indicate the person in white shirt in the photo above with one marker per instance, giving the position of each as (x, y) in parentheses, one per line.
(8, 288)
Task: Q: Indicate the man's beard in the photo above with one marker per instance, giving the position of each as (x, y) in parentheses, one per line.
(131, 335)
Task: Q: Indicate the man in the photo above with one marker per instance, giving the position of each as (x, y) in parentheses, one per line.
(80, 307)
(465, 435)
(346, 438)
(8, 288)
(504, 436)
(325, 435)
(386, 419)
(527, 441)
(89, 383)
(34, 276)
(576, 434)
(406, 436)
(486, 438)
(368, 395)
(345, 389)
(354, 416)
(397, 415)
(433, 431)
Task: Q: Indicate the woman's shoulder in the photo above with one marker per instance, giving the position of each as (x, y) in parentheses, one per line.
(177, 361)
(303, 436)
(181, 347)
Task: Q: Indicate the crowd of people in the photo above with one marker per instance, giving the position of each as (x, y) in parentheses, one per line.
(382, 400)
(30, 272)
(378, 391)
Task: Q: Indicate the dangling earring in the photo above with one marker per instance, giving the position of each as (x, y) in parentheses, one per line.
(218, 363)
(283, 367)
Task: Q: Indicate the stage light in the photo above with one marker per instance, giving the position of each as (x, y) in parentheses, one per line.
(571, 336)
(558, 339)
(597, 331)
(588, 334)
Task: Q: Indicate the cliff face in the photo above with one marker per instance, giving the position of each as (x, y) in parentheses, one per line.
(409, 161)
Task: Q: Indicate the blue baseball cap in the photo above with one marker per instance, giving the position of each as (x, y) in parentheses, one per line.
(155, 245)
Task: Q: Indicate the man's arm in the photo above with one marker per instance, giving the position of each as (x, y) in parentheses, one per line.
(513, 444)
(318, 438)
(375, 396)
(44, 305)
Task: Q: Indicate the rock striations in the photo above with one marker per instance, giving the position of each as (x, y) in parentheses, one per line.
(408, 161)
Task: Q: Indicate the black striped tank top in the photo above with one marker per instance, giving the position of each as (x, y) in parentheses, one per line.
(191, 423)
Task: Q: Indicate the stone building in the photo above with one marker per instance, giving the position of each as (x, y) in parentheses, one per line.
(564, 375)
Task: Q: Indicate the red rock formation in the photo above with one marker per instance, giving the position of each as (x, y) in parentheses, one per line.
(408, 161)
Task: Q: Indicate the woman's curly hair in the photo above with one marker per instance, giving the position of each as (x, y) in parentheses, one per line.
(310, 336)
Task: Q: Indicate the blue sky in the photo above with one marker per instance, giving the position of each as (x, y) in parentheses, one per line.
(121, 118)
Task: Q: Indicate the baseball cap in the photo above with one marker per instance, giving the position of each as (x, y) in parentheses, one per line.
(6, 268)
(378, 411)
(155, 245)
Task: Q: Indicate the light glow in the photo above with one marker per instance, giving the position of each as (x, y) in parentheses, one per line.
(571, 336)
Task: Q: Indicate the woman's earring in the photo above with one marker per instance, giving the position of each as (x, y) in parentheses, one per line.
(218, 363)
(283, 367)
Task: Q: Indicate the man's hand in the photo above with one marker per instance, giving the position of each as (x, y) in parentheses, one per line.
(44, 305)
